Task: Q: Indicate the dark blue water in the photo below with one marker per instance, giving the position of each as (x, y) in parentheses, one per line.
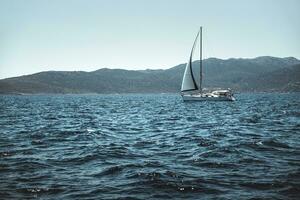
(149, 147)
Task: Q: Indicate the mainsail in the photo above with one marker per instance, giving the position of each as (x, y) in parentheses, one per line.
(188, 81)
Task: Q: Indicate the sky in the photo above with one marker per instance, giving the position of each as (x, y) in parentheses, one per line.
(86, 35)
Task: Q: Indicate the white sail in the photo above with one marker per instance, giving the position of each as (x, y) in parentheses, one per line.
(188, 81)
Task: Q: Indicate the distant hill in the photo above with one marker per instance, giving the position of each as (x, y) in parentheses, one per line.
(259, 74)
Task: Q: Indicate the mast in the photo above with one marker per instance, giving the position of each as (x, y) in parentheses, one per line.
(200, 82)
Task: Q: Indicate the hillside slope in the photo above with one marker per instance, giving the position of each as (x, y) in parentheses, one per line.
(258, 74)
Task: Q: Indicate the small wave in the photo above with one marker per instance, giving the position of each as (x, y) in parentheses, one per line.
(207, 164)
(116, 169)
(205, 142)
(6, 154)
(251, 119)
(291, 191)
(110, 171)
(251, 161)
(275, 143)
(263, 185)
(144, 143)
(152, 164)
(172, 182)
(39, 191)
(89, 130)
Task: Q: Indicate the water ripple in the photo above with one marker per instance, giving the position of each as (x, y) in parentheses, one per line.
(149, 147)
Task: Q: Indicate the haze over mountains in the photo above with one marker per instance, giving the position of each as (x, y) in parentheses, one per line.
(258, 74)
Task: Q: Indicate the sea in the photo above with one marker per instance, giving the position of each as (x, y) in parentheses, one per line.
(149, 146)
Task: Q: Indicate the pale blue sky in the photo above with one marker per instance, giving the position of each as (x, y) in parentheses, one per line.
(40, 35)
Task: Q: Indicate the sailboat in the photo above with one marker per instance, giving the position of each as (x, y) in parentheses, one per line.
(190, 91)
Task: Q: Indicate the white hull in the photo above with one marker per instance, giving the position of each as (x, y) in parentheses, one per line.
(191, 97)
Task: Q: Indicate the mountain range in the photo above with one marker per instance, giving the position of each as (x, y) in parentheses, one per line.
(244, 75)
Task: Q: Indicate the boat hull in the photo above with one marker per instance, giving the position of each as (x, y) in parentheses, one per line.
(207, 98)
